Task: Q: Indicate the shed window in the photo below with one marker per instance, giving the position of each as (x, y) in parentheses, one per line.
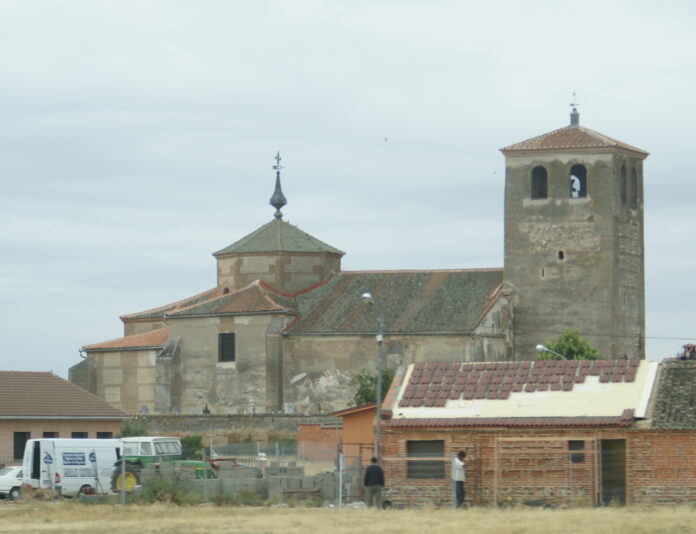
(576, 445)
(425, 468)
(634, 189)
(540, 183)
(226, 352)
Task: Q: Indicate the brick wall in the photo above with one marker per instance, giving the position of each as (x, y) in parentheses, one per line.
(537, 466)
(319, 441)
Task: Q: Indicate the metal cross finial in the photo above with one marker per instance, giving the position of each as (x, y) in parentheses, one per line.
(277, 166)
(278, 199)
(574, 115)
(574, 104)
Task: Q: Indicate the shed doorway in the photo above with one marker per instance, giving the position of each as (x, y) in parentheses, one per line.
(613, 471)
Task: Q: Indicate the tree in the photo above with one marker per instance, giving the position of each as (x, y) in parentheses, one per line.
(572, 346)
(136, 426)
(365, 384)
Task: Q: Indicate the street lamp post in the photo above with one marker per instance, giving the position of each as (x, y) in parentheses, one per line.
(543, 348)
(367, 297)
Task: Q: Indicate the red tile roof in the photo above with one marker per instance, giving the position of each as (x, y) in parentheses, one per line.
(571, 138)
(257, 297)
(158, 312)
(37, 395)
(625, 419)
(354, 409)
(154, 339)
(432, 384)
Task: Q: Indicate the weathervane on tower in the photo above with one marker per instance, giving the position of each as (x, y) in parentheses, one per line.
(278, 199)
(574, 115)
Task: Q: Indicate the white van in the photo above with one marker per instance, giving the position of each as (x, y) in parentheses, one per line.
(70, 466)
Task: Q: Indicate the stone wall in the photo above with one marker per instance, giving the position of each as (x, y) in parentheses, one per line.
(575, 263)
(284, 271)
(258, 427)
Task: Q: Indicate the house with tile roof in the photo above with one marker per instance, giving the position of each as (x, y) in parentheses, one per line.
(285, 329)
(35, 405)
(543, 432)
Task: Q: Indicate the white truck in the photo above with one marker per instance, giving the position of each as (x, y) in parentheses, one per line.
(70, 466)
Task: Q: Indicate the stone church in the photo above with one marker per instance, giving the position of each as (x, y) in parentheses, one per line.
(284, 329)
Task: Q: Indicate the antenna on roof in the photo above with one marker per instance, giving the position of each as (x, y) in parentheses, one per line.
(574, 115)
(278, 199)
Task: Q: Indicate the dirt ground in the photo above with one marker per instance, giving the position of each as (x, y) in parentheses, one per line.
(75, 517)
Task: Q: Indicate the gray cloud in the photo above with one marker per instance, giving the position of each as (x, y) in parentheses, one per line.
(137, 139)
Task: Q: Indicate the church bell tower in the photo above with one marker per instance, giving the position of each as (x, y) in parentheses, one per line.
(574, 254)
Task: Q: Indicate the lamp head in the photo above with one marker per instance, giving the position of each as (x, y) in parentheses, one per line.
(367, 298)
(541, 348)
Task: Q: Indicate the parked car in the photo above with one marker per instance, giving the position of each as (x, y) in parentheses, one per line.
(10, 481)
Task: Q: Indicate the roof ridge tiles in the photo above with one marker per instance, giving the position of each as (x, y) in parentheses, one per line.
(397, 271)
(164, 307)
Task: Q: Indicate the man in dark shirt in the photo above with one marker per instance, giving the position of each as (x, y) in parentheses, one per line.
(373, 482)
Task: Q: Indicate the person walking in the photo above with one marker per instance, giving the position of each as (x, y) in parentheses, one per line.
(373, 482)
(459, 476)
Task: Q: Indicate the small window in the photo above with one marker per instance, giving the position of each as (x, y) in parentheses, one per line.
(105, 435)
(561, 255)
(578, 181)
(576, 445)
(79, 435)
(226, 351)
(429, 468)
(624, 185)
(20, 441)
(634, 189)
(540, 183)
(146, 448)
(50, 434)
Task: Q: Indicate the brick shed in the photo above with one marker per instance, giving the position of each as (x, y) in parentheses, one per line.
(543, 433)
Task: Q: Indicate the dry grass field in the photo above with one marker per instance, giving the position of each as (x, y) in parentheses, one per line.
(73, 517)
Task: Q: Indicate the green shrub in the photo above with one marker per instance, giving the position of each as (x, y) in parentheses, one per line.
(135, 426)
(192, 445)
(167, 491)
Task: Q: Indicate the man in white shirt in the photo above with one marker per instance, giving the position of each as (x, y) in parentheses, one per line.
(459, 476)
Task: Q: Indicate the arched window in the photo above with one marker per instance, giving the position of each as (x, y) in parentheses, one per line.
(634, 189)
(623, 185)
(540, 183)
(578, 181)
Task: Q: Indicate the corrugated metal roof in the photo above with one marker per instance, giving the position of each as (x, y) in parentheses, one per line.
(278, 236)
(571, 138)
(28, 394)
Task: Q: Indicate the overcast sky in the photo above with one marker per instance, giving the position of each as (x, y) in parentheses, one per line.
(137, 137)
